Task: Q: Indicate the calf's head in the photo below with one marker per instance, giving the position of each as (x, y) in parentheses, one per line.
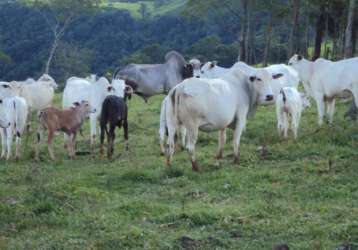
(196, 67)
(84, 108)
(7, 90)
(121, 89)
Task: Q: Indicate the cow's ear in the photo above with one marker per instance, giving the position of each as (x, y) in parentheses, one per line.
(6, 86)
(252, 78)
(76, 104)
(299, 57)
(201, 65)
(276, 76)
(0, 101)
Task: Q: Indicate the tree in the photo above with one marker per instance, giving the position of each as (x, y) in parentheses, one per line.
(59, 15)
(294, 28)
(144, 11)
(320, 25)
(348, 48)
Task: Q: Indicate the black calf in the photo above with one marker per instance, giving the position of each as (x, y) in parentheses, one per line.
(114, 112)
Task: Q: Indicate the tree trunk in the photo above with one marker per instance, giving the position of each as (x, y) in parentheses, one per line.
(320, 24)
(248, 42)
(294, 28)
(307, 31)
(267, 42)
(52, 53)
(348, 46)
(243, 32)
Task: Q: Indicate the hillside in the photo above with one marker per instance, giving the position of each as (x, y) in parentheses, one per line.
(168, 7)
(302, 193)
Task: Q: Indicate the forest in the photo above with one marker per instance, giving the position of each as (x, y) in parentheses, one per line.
(100, 40)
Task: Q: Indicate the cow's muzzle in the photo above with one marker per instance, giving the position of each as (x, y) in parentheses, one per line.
(269, 98)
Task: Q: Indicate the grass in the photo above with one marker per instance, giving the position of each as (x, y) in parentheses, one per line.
(170, 7)
(303, 194)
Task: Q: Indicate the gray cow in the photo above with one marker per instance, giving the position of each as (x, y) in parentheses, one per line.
(153, 79)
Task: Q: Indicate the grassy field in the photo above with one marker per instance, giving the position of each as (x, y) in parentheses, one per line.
(303, 194)
(133, 8)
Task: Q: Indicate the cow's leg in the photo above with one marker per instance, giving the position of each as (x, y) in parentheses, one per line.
(183, 136)
(295, 123)
(171, 144)
(286, 124)
(125, 131)
(103, 127)
(51, 135)
(320, 108)
(71, 145)
(221, 142)
(279, 115)
(3, 142)
(39, 140)
(355, 94)
(239, 128)
(93, 120)
(330, 110)
(190, 146)
(111, 141)
(18, 145)
(162, 131)
(9, 139)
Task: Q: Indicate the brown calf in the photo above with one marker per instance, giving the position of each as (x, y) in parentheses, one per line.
(68, 121)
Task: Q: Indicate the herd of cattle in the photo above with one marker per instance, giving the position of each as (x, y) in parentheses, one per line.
(203, 97)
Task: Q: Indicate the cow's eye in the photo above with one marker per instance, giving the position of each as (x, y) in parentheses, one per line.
(259, 79)
(290, 64)
(6, 86)
(202, 72)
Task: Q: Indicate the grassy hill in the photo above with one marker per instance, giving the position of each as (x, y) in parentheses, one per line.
(303, 193)
(172, 6)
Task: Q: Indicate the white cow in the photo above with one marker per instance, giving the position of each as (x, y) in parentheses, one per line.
(327, 80)
(289, 105)
(289, 77)
(211, 70)
(215, 104)
(13, 115)
(38, 94)
(80, 89)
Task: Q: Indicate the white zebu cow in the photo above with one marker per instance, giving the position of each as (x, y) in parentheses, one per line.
(327, 80)
(38, 94)
(13, 115)
(215, 104)
(80, 89)
(288, 77)
(289, 105)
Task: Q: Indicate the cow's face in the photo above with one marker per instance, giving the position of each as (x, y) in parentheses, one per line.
(104, 86)
(208, 69)
(196, 67)
(7, 90)
(121, 89)
(262, 87)
(49, 80)
(188, 71)
(295, 61)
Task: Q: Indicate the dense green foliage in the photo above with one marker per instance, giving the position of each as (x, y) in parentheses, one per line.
(100, 42)
(303, 193)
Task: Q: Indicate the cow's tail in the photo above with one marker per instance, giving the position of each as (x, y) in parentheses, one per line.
(284, 98)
